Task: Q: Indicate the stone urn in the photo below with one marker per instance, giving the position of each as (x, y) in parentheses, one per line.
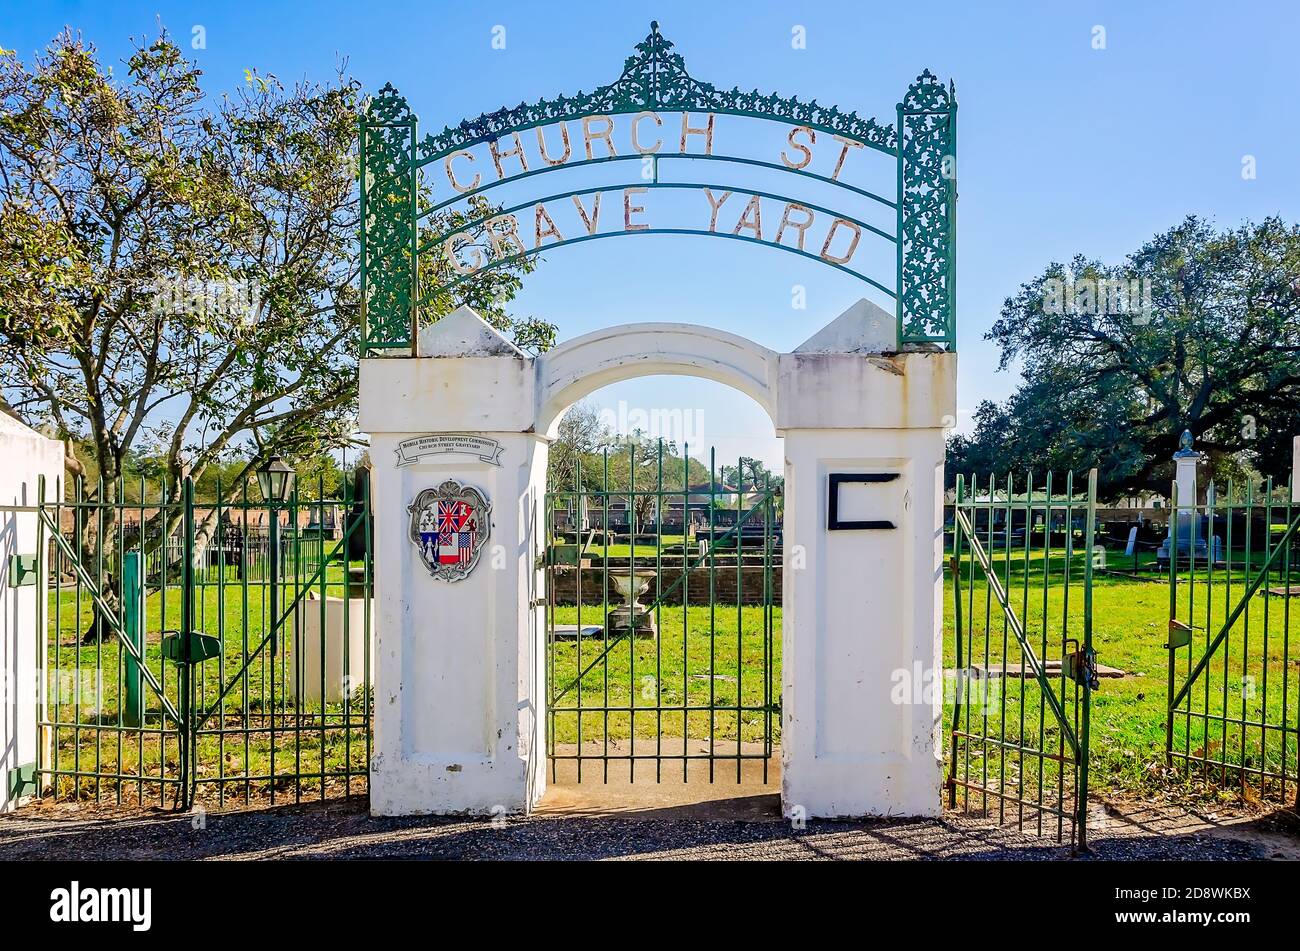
(631, 617)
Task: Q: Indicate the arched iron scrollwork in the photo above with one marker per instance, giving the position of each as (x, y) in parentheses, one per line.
(927, 212)
(655, 78)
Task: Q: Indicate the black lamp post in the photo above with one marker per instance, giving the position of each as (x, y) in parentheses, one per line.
(276, 482)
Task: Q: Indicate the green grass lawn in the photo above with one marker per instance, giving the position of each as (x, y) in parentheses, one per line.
(1253, 678)
(661, 682)
(257, 739)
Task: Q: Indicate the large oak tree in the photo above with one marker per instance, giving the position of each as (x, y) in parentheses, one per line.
(1217, 352)
(178, 273)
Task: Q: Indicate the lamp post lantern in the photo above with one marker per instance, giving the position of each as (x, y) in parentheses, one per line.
(276, 482)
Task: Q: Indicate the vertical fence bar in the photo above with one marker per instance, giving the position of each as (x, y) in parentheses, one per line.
(713, 600)
(132, 708)
(1227, 606)
(368, 635)
(1064, 646)
(958, 635)
(1004, 661)
(1173, 615)
(185, 670)
(604, 615)
(634, 527)
(1264, 657)
(660, 511)
(103, 585)
(1024, 616)
(42, 634)
(1048, 511)
(1081, 783)
(119, 672)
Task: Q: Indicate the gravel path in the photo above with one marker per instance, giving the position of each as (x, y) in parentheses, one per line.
(344, 831)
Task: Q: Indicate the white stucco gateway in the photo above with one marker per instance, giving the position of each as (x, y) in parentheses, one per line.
(459, 667)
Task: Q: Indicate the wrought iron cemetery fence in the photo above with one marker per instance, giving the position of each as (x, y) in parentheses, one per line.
(204, 654)
(1023, 667)
(1233, 694)
(662, 626)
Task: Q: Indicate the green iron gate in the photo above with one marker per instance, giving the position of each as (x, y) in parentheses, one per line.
(1020, 572)
(200, 653)
(682, 673)
(1233, 700)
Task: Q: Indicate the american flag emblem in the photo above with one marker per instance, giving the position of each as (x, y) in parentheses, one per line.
(449, 525)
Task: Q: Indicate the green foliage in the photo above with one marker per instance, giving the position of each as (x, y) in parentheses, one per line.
(1218, 353)
(179, 275)
(611, 462)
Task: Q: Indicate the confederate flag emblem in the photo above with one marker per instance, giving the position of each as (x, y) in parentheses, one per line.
(449, 525)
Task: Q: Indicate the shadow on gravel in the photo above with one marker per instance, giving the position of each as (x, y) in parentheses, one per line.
(346, 831)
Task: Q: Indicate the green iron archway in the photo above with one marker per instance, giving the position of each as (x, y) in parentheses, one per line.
(655, 78)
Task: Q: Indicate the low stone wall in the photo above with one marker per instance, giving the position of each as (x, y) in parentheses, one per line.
(564, 585)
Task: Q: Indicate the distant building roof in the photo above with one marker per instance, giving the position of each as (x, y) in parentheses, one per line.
(718, 487)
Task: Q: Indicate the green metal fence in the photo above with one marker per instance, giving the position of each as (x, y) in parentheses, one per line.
(204, 652)
(1233, 690)
(683, 673)
(1020, 649)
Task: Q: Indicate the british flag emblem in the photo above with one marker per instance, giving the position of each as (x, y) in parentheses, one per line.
(449, 525)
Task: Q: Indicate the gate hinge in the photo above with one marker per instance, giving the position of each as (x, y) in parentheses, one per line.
(195, 649)
(1180, 634)
(1081, 665)
(21, 781)
(22, 570)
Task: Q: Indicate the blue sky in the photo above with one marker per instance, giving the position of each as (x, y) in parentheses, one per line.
(1063, 148)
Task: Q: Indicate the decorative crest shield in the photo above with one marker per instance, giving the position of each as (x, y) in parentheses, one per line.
(449, 525)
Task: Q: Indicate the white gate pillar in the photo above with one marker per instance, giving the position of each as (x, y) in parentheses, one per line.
(863, 613)
(27, 457)
(458, 668)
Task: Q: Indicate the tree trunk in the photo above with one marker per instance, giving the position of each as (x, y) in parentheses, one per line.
(98, 547)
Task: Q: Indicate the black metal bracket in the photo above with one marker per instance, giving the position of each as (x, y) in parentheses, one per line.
(1081, 665)
(833, 523)
(194, 649)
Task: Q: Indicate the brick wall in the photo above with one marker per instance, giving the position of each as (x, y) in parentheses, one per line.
(564, 586)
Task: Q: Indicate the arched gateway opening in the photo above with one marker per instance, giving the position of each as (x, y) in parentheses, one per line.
(471, 545)
(581, 366)
(663, 581)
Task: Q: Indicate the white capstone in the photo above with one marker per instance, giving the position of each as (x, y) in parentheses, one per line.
(463, 333)
(863, 328)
